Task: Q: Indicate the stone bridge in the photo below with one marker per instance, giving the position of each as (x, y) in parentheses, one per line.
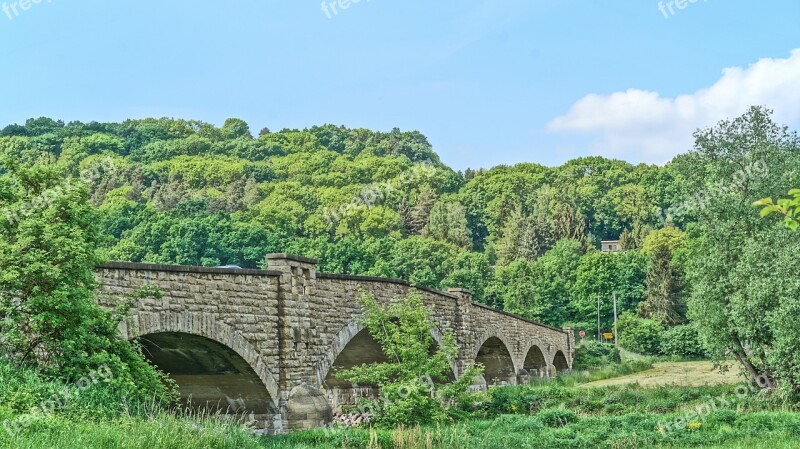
(266, 343)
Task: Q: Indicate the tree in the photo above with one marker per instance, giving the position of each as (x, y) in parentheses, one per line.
(49, 318)
(568, 222)
(540, 290)
(630, 279)
(234, 128)
(738, 263)
(525, 237)
(634, 239)
(471, 271)
(640, 335)
(630, 203)
(407, 382)
(420, 260)
(418, 216)
(600, 275)
(448, 222)
(663, 297)
(682, 341)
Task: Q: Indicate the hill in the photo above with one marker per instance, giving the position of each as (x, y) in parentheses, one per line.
(363, 202)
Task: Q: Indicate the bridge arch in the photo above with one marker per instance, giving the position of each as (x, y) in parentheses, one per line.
(353, 346)
(494, 353)
(560, 362)
(163, 331)
(535, 363)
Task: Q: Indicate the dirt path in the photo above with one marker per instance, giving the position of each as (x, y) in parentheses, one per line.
(675, 373)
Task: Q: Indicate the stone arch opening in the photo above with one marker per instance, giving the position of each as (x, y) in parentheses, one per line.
(361, 349)
(560, 362)
(497, 362)
(535, 364)
(210, 375)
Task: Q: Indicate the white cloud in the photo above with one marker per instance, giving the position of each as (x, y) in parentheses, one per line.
(639, 125)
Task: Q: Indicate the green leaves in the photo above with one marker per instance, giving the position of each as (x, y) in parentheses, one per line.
(789, 208)
(640, 335)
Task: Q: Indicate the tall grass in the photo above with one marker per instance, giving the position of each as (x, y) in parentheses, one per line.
(162, 431)
(555, 415)
(770, 429)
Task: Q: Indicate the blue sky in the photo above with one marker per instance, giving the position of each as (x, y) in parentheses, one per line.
(489, 82)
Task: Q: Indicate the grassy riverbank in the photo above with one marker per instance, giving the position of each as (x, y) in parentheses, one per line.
(551, 416)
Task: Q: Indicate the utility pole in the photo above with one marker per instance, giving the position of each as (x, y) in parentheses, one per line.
(599, 335)
(616, 342)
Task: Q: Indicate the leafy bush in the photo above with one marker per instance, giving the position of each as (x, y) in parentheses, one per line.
(557, 417)
(97, 395)
(519, 423)
(639, 334)
(592, 355)
(682, 341)
(510, 400)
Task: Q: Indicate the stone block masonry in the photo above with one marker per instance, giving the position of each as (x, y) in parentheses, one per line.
(266, 343)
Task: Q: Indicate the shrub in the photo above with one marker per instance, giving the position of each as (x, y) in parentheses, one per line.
(100, 394)
(723, 416)
(639, 334)
(557, 417)
(592, 355)
(682, 341)
(510, 400)
(519, 423)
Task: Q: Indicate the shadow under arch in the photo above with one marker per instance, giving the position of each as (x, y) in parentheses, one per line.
(361, 349)
(497, 361)
(560, 362)
(210, 376)
(355, 336)
(535, 363)
(205, 326)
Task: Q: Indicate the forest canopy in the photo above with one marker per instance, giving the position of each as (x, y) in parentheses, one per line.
(524, 238)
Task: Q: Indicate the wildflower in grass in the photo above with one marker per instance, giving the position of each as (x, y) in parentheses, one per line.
(694, 425)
